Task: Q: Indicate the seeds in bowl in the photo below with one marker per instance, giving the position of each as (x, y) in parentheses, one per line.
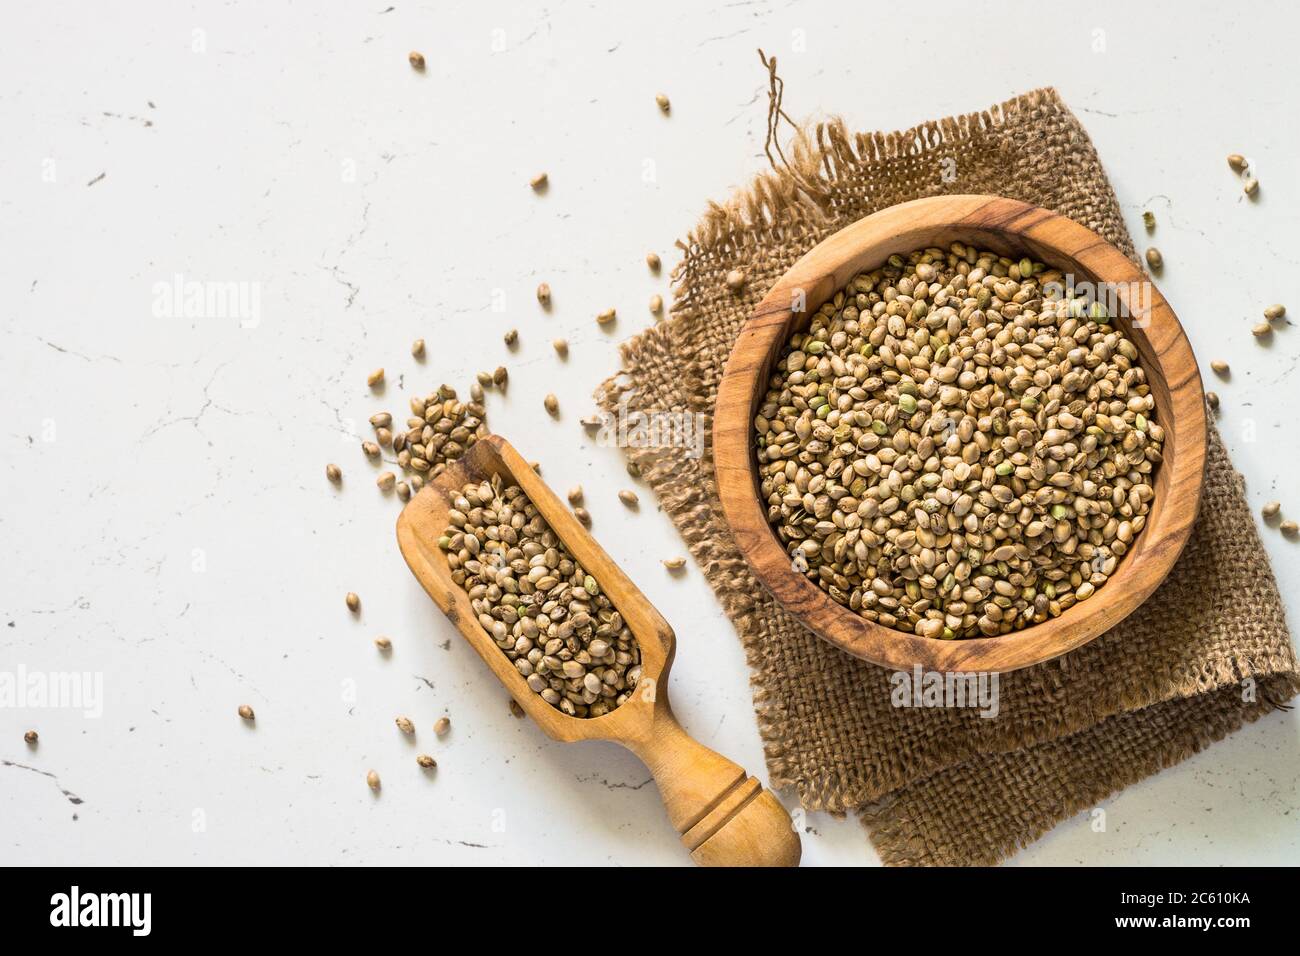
(957, 446)
(541, 608)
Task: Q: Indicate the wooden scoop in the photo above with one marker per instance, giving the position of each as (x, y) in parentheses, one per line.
(724, 816)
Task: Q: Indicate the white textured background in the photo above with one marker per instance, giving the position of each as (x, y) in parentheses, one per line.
(291, 147)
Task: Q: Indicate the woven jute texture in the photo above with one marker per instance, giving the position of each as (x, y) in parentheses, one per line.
(1209, 651)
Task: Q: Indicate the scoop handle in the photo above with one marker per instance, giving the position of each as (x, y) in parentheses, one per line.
(724, 815)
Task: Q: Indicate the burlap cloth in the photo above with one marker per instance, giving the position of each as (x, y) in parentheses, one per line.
(1209, 651)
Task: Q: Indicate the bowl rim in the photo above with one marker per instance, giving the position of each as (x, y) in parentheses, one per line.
(993, 221)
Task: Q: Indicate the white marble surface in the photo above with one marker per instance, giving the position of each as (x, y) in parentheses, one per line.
(163, 511)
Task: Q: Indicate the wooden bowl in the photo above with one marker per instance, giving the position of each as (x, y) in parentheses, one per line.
(1013, 229)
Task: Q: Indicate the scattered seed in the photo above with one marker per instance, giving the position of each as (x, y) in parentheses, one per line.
(375, 378)
(561, 347)
(652, 260)
(386, 481)
(370, 448)
(552, 405)
(663, 102)
(372, 781)
(383, 643)
(544, 295)
(511, 337)
(1251, 186)
(1213, 399)
(1149, 220)
(674, 564)
(476, 393)
(606, 317)
(1289, 528)
(334, 473)
(547, 615)
(1237, 161)
(1271, 509)
(1262, 330)
(246, 712)
(516, 710)
(404, 491)
(538, 181)
(1154, 259)
(485, 379)
(416, 60)
(633, 469)
(1275, 312)
(404, 725)
(31, 737)
(426, 762)
(583, 516)
(441, 726)
(417, 348)
(384, 436)
(656, 303)
(735, 280)
(353, 602)
(1220, 367)
(628, 498)
(381, 420)
(500, 377)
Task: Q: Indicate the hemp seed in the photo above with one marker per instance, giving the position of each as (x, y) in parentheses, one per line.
(583, 516)
(386, 481)
(1250, 187)
(544, 295)
(674, 564)
(511, 338)
(1154, 259)
(1221, 368)
(334, 473)
(1149, 220)
(441, 726)
(416, 60)
(735, 280)
(31, 738)
(606, 317)
(353, 602)
(1237, 162)
(1271, 509)
(372, 781)
(417, 348)
(656, 303)
(1213, 399)
(561, 347)
(426, 762)
(383, 643)
(539, 181)
(575, 495)
(375, 378)
(628, 498)
(652, 260)
(1275, 312)
(552, 405)
(246, 712)
(405, 726)
(500, 377)
(1289, 528)
(663, 102)
(1262, 330)
(516, 710)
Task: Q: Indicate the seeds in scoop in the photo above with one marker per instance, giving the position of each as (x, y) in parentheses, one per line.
(1237, 161)
(583, 516)
(674, 564)
(441, 726)
(628, 498)
(538, 181)
(416, 60)
(500, 377)
(372, 781)
(1271, 509)
(652, 260)
(656, 303)
(31, 737)
(511, 337)
(1220, 367)
(956, 447)
(1289, 528)
(383, 643)
(1213, 399)
(575, 495)
(246, 712)
(1154, 259)
(404, 725)
(426, 762)
(1149, 220)
(663, 102)
(386, 481)
(1251, 186)
(417, 348)
(1275, 312)
(735, 280)
(552, 405)
(353, 602)
(606, 317)
(334, 473)
(561, 347)
(544, 294)
(375, 378)
(540, 607)
(1261, 330)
